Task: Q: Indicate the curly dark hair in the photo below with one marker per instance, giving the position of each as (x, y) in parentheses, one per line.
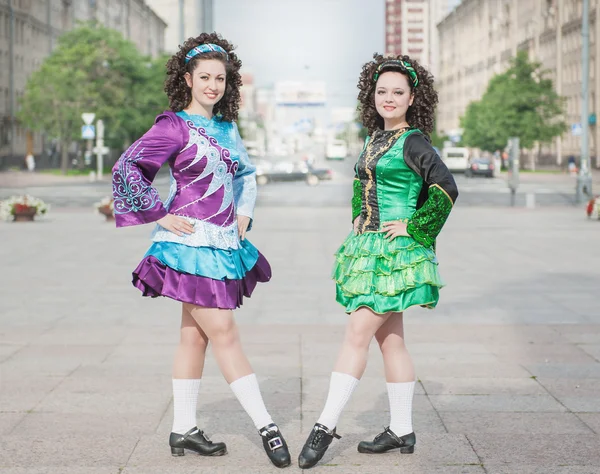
(420, 114)
(180, 95)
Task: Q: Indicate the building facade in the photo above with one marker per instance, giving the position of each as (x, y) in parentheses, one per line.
(478, 39)
(407, 29)
(184, 18)
(438, 10)
(411, 28)
(29, 30)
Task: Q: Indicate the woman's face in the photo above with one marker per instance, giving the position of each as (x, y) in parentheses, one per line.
(207, 82)
(392, 96)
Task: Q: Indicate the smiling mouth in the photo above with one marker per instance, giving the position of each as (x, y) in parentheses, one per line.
(389, 108)
(211, 96)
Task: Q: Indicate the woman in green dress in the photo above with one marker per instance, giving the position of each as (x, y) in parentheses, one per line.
(403, 194)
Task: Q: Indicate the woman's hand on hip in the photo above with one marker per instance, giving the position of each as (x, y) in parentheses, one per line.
(394, 229)
(177, 225)
(243, 223)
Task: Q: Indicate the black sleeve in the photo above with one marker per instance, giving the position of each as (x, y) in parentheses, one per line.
(423, 160)
(439, 190)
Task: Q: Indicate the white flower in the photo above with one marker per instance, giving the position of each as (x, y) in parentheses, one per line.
(596, 209)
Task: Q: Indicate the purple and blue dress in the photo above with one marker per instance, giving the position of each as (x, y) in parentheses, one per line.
(212, 181)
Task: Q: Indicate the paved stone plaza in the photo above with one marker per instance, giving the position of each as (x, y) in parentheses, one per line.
(508, 364)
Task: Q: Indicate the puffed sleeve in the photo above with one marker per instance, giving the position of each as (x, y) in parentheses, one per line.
(244, 181)
(427, 221)
(135, 200)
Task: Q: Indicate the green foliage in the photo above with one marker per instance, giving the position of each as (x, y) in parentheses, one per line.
(362, 131)
(94, 69)
(521, 102)
(438, 140)
(146, 99)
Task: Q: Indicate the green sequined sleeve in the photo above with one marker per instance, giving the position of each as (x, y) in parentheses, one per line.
(427, 222)
(356, 199)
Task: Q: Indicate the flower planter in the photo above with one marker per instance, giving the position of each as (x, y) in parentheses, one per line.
(22, 208)
(593, 208)
(107, 212)
(24, 214)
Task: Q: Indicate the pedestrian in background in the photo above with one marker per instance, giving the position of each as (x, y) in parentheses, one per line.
(403, 194)
(200, 255)
(30, 162)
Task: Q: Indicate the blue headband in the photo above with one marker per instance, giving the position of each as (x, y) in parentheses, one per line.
(205, 48)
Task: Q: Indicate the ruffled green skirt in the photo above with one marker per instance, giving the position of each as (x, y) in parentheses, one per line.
(385, 275)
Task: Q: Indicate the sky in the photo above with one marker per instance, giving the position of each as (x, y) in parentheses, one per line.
(305, 40)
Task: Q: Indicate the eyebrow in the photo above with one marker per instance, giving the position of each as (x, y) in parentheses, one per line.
(209, 74)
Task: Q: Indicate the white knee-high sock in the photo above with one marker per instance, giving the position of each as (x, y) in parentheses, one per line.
(341, 387)
(185, 402)
(247, 392)
(401, 396)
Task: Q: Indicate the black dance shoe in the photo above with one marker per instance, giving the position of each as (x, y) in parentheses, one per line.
(275, 446)
(387, 441)
(195, 440)
(317, 443)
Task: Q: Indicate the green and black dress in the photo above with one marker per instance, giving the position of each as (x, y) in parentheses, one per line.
(399, 176)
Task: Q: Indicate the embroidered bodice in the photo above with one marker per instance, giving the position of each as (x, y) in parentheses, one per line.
(212, 178)
(399, 176)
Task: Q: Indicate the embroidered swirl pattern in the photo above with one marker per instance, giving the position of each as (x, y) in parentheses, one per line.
(131, 191)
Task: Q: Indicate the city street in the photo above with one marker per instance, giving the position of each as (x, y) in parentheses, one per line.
(508, 364)
(552, 189)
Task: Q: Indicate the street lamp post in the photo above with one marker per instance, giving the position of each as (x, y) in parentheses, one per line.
(584, 178)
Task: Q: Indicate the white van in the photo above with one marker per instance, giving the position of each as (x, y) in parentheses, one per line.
(336, 150)
(456, 159)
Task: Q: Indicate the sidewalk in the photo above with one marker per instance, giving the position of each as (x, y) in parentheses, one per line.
(25, 179)
(508, 364)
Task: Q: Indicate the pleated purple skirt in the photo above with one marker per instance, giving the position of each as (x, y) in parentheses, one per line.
(153, 278)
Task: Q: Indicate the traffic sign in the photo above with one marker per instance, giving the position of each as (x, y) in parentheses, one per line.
(88, 118)
(576, 129)
(88, 132)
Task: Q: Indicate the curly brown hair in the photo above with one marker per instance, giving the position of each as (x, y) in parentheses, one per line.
(420, 114)
(180, 95)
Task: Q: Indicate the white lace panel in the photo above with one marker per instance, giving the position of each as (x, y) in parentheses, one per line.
(205, 235)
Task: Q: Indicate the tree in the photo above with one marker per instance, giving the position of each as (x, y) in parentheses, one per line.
(362, 130)
(145, 100)
(521, 102)
(93, 69)
(438, 140)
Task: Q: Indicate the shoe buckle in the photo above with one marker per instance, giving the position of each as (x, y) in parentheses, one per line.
(275, 443)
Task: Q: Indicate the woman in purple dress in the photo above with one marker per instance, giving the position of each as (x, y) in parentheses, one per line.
(200, 255)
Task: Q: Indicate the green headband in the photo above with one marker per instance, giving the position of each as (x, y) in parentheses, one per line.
(404, 66)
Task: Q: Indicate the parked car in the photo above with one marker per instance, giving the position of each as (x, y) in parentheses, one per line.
(336, 150)
(479, 166)
(456, 159)
(267, 172)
